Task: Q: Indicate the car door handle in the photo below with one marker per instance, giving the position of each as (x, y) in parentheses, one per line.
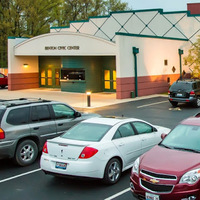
(36, 128)
(60, 124)
(121, 144)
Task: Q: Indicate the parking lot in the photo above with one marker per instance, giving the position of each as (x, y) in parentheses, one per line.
(31, 183)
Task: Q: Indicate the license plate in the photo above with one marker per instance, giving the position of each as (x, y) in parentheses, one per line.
(60, 165)
(150, 196)
(179, 95)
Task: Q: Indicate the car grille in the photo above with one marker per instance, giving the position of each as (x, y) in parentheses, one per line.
(158, 176)
(155, 187)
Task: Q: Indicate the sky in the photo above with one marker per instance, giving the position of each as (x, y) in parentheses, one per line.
(166, 5)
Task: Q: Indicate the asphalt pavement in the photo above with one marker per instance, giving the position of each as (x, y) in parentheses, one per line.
(78, 100)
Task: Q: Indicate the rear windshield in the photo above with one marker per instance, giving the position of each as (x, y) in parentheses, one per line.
(2, 111)
(181, 85)
(87, 132)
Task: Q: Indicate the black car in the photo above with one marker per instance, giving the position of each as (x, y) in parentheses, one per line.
(185, 91)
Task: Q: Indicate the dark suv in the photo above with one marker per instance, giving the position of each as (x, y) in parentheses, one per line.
(185, 91)
(25, 125)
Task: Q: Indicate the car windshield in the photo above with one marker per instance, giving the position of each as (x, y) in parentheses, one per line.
(183, 137)
(87, 132)
(180, 85)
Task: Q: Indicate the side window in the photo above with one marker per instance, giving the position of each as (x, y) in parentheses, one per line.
(40, 113)
(62, 111)
(18, 116)
(142, 127)
(126, 130)
(117, 135)
(194, 85)
(1, 76)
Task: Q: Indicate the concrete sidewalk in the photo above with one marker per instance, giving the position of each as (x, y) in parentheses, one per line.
(78, 100)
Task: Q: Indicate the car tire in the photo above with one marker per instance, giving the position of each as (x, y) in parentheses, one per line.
(3, 86)
(26, 153)
(112, 172)
(174, 103)
(197, 102)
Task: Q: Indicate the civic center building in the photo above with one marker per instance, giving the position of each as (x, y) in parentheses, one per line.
(132, 53)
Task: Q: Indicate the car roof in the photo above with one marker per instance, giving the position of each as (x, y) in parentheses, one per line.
(194, 121)
(109, 120)
(186, 81)
(21, 101)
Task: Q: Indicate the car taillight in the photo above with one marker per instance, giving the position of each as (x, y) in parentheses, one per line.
(45, 149)
(192, 93)
(2, 133)
(88, 152)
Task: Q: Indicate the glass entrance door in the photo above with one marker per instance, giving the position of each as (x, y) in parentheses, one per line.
(50, 77)
(110, 80)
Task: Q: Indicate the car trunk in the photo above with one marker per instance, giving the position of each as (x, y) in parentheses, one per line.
(66, 149)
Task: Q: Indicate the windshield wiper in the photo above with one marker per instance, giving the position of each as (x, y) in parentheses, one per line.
(187, 149)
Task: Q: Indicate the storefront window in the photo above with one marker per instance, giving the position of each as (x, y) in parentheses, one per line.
(73, 74)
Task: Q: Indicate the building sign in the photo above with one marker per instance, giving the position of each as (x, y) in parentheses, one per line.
(62, 48)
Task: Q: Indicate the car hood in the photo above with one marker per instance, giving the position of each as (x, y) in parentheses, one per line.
(169, 161)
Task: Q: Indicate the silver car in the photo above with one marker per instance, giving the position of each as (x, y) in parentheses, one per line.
(25, 125)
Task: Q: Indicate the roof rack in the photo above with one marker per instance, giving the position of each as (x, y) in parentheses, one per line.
(189, 80)
(21, 101)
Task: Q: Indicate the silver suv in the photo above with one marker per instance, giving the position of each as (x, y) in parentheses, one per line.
(25, 125)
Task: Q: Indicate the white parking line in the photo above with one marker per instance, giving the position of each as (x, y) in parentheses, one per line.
(118, 194)
(151, 104)
(20, 175)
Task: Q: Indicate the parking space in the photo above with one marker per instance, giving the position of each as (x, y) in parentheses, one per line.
(31, 183)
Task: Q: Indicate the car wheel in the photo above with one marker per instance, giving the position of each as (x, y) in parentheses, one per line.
(174, 103)
(3, 86)
(26, 153)
(112, 172)
(197, 102)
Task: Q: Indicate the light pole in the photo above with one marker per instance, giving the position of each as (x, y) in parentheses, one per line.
(180, 52)
(88, 99)
(135, 52)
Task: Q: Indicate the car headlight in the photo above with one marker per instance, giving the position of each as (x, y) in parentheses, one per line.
(135, 168)
(191, 177)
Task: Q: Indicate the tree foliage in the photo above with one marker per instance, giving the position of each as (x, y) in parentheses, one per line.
(28, 18)
(193, 59)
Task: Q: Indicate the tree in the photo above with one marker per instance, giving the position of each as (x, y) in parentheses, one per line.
(193, 59)
(29, 18)
(75, 10)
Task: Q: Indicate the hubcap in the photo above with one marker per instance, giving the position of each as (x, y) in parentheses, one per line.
(114, 171)
(27, 153)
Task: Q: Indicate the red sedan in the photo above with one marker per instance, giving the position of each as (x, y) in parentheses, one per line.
(3, 80)
(171, 170)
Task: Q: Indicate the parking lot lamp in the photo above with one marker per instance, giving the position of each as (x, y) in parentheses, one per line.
(88, 98)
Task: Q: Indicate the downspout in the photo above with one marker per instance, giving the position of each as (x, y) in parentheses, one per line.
(135, 52)
(180, 52)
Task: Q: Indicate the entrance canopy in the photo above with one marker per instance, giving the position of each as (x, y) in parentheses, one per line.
(65, 44)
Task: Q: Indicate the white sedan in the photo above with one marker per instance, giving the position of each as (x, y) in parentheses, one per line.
(100, 148)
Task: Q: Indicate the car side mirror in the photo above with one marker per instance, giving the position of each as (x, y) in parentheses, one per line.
(163, 135)
(77, 114)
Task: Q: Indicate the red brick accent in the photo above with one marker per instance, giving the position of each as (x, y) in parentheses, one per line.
(147, 85)
(194, 8)
(23, 81)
